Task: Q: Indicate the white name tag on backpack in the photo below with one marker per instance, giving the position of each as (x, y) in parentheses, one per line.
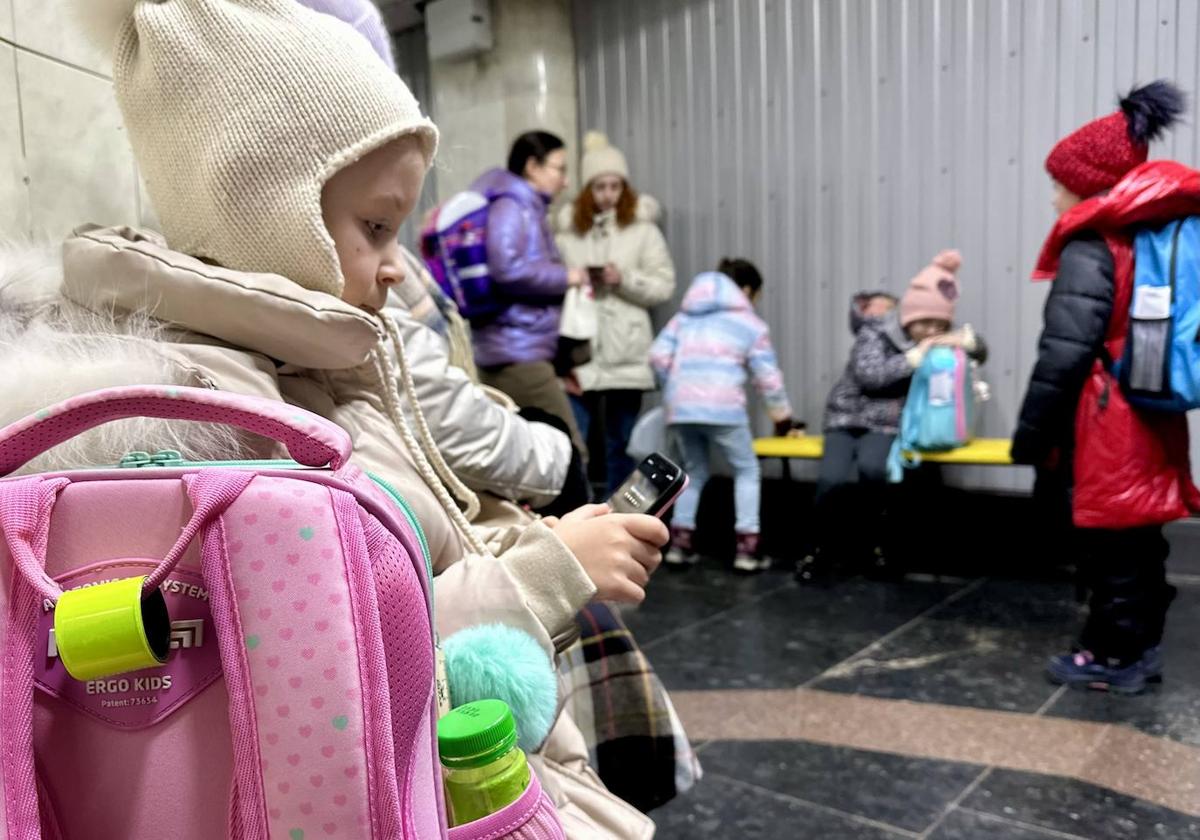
(941, 388)
(1152, 303)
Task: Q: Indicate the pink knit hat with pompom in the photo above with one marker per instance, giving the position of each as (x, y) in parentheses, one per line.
(933, 292)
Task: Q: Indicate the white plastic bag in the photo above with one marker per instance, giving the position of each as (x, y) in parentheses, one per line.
(579, 314)
(649, 435)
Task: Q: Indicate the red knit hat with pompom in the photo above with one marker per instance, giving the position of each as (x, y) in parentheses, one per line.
(1094, 158)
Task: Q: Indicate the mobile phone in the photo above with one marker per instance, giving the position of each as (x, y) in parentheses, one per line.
(651, 489)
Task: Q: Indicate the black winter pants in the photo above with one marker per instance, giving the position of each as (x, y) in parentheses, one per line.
(1126, 572)
(843, 508)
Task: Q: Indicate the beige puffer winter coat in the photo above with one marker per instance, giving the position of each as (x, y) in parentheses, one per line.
(620, 351)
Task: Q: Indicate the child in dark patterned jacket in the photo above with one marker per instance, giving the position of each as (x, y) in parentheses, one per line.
(862, 415)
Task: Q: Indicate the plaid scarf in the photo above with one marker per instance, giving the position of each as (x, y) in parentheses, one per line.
(636, 741)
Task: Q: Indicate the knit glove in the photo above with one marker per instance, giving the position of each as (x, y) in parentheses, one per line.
(969, 342)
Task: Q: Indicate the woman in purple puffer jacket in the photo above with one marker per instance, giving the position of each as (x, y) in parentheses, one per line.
(515, 351)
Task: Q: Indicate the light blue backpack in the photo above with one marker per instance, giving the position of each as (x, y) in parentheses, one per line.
(1160, 368)
(939, 413)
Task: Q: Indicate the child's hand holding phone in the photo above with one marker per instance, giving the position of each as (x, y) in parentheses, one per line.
(618, 551)
(619, 544)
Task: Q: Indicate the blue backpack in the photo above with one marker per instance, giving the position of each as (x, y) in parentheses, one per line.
(1160, 368)
(939, 414)
(455, 250)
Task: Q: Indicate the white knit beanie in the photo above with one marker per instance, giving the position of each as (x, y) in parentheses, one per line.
(239, 111)
(601, 158)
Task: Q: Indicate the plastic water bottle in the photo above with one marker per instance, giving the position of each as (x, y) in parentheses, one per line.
(483, 769)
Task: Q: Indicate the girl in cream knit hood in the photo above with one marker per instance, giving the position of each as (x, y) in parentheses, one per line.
(282, 156)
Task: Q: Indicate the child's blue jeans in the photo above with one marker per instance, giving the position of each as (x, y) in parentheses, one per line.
(737, 445)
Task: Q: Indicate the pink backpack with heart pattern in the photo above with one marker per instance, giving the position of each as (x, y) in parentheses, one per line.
(298, 698)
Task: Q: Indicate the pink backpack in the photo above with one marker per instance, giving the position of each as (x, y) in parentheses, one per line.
(297, 701)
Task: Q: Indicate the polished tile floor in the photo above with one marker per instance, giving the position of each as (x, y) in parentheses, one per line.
(917, 709)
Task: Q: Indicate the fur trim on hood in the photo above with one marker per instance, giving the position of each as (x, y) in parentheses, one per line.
(859, 302)
(52, 349)
(648, 210)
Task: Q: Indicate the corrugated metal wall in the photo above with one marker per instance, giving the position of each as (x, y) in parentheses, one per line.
(841, 144)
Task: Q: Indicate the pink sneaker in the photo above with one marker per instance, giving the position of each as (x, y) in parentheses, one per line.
(749, 558)
(681, 553)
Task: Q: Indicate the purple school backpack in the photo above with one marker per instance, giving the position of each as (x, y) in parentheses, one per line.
(297, 698)
(454, 246)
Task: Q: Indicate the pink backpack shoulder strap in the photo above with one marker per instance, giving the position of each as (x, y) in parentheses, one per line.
(297, 623)
(247, 807)
(25, 508)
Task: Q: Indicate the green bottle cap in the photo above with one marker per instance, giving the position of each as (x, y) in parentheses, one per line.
(476, 734)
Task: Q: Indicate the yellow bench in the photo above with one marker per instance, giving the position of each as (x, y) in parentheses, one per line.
(979, 452)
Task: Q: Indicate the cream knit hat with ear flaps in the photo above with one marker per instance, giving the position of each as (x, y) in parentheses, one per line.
(239, 111)
(601, 158)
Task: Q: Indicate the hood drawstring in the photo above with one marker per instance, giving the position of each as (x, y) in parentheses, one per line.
(453, 482)
(438, 474)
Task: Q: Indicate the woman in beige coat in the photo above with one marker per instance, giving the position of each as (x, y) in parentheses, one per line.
(612, 232)
(279, 249)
